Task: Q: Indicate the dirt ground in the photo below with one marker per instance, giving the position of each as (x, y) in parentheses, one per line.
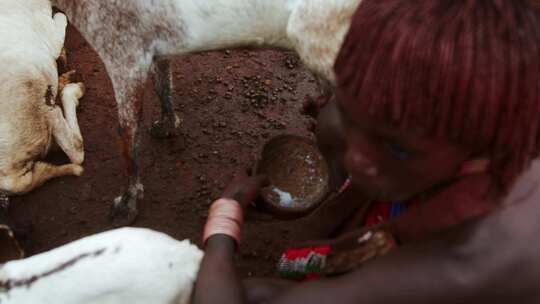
(231, 103)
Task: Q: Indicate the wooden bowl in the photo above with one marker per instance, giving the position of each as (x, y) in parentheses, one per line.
(298, 176)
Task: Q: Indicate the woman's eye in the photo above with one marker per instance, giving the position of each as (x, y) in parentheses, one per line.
(398, 151)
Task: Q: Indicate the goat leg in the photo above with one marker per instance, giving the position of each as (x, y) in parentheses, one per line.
(9, 246)
(66, 131)
(169, 121)
(124, 210)
(129, 93)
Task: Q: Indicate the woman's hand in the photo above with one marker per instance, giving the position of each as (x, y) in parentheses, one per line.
(226, 217)
(244, 189)
(218, 272)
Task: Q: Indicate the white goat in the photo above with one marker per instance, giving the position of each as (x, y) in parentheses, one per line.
(127, 265)
(30, 42)
(135, 37)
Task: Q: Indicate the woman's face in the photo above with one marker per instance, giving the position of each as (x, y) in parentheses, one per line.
(385, 163)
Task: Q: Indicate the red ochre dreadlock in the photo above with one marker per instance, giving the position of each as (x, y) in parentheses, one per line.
(464, 70)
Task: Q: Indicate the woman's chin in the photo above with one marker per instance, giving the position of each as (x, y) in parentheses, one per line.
(379, 194)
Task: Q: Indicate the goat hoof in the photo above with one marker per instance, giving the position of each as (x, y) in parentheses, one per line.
(161, 130)
(123, 212)
(310, 107)
(9, 245)
(4, 203)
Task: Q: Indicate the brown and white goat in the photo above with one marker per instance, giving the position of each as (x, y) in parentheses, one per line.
(31, 40)
(135, 37)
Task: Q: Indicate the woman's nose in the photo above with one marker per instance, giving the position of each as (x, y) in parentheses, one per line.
(357, 162)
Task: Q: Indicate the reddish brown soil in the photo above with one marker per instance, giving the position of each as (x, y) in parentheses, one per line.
(231, 103)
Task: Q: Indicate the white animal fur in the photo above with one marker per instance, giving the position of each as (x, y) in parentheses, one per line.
(128, 265)
(30, 42)
(131, 35)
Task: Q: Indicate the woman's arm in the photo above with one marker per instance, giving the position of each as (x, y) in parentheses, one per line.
(493, 260)
(218, 280)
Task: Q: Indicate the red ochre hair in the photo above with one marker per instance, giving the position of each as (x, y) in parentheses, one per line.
(464, 70)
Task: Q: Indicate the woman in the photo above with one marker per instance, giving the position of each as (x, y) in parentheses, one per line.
(438, 110)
